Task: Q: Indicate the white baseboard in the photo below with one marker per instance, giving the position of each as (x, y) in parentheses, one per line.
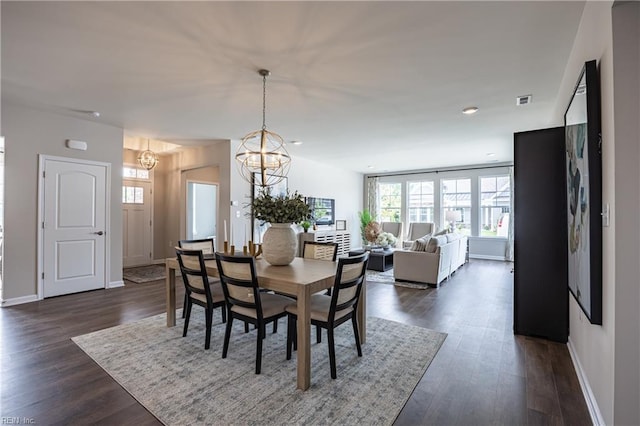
(19, 300)
(115, 284)
(486, 257)
(589, 397)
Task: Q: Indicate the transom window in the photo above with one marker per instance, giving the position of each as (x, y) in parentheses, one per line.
(134, 173)
(421, 201)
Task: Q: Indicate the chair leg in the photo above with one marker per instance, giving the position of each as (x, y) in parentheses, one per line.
(186, 318)
(209, 321)
(246, 327)
(275, 325)
(356, 334)
(261, 332)
(184, 305)
(227, 335)
(318, 334)
(224, 314)
(332, 353)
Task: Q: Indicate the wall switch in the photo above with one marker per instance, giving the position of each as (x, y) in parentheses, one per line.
(605, 215)
(238, 213)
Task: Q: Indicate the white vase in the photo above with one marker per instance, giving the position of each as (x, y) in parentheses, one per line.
(280, 244)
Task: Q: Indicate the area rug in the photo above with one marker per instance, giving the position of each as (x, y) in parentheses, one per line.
(181, 383)
(144, 274)
(387, 278)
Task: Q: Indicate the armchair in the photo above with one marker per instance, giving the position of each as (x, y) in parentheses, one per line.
(417, 230)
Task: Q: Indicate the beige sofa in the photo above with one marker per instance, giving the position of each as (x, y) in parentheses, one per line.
(444, 255)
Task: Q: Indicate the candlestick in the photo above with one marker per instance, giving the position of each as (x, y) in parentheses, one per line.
(226, 247)
(244, 250)
(231, 231)
(233, 249)
(225, 231)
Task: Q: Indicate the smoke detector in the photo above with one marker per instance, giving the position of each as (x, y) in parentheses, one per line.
(523, 100)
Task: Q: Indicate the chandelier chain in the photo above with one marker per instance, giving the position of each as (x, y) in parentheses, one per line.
(264, 101)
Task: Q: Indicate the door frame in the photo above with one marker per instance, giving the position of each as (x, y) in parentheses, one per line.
(42, 158)
(152, 180)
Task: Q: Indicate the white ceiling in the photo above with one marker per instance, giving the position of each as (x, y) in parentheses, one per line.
(360, 83)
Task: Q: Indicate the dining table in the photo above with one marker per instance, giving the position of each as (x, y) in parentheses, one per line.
(301, 278)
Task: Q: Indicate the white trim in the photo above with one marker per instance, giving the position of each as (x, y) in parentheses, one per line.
(115, 284)
(42, 158)
(486, 257)
(589, 397)
(19, 300)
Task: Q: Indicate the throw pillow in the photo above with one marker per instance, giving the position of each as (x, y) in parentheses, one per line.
(435, 242)
(420, 244)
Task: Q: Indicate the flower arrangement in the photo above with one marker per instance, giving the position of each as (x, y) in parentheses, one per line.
(289, 208)
(386, 239)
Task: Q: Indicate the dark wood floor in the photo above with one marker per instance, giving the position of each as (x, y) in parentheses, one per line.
(483, 374)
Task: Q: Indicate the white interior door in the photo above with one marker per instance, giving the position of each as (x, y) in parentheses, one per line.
(74, 226)
(136, 223)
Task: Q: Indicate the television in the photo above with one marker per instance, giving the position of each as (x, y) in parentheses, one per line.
(323, 210)
(584, 193)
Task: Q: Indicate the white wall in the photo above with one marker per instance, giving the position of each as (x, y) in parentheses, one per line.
(626, 67)
(593, 344)
(29, 132)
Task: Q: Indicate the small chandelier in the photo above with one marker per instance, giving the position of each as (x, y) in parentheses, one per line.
(148, 159)
(262, 159)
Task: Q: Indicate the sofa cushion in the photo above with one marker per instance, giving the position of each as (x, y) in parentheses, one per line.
(435, 242)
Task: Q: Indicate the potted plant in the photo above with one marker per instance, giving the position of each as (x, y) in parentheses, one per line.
(305, 225)
(365, 219)
(280, 242)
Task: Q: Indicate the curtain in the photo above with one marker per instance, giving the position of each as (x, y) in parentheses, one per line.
(372, 196)
(509, 249)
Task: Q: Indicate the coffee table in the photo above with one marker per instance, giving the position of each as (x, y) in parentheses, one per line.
(379, 260)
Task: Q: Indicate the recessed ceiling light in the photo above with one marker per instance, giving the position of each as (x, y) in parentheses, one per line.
(371, 167)
(491, 154)
(296, 142)
(95, 113)
(470, 110)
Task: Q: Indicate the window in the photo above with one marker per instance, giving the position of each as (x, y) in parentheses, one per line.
(421, 201)
(495, 201)
(132, 195)
(390, 202)
(134, 173)
(456, 204)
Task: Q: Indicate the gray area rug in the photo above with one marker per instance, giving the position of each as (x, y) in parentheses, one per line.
(387, 278)
(144, 274)
(181, 383)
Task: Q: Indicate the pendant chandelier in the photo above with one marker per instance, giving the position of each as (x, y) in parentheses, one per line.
(148, 159)
(262, 158)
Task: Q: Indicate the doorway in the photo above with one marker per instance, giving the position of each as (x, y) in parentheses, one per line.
(136, 223)
(202, 208)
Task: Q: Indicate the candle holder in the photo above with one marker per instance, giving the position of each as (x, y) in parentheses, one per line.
(255, 250)
(232, 250)
(225, 246)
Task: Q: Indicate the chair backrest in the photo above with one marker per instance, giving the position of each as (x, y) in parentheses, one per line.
(348, 284)
(195, 278)
(394, 228)
(239, 281)
(206, 245)
(419, 229)
(320, 251)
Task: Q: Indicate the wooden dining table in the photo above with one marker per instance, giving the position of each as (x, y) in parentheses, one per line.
(301, 278)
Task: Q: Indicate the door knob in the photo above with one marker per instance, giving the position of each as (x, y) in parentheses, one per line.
(99, 233)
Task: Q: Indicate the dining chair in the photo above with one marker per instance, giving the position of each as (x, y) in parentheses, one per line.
(199, 290)
(245, 301)
(328, 312)
(208, 250)
(320, 251)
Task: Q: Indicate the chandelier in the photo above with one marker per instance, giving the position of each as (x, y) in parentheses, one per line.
(261, 158)
(148, 159)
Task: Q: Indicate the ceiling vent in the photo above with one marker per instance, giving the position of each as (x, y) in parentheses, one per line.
(523, 100)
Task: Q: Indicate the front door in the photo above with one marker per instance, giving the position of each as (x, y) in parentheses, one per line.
(74, 225)
(136, 223)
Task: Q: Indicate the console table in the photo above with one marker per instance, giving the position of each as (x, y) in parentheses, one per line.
(343, 238)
